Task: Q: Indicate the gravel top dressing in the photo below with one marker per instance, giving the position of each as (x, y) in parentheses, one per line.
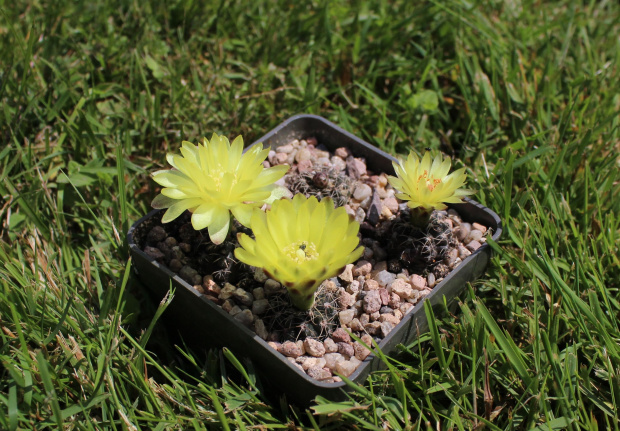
(401, 264)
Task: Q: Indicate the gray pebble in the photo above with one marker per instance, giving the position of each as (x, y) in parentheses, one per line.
(187, 273)
(260, 306)
(245, 317)
(156, 235)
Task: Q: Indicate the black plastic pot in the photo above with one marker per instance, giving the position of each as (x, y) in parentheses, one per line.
(197, 317)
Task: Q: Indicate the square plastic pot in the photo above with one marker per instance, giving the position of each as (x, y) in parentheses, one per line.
(197, 318)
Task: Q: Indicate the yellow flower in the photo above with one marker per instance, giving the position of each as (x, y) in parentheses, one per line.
(214, 179)
(301, 243)
(428, 186)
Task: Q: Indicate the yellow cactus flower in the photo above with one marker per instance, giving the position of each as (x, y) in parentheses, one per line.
(428, 186)
(301, 243)
(214, 179)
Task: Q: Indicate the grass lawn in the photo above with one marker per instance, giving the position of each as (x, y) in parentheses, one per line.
(525, 94)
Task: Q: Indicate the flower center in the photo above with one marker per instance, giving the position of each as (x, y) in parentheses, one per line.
(431, 182)
(301, 251)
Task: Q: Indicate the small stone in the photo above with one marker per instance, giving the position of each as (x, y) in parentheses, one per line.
(384, 278)
(430, 279)
(323, 161)
(479, 227)
(331, 359)
(346, 350)
(386, 213)
(375, 210)
(214, 299)
(360, 215)
(391, 204)
(361, 352)
(406, 307)
(295, 364)
(384, 295)
(375, 316)
(386, 310)
(258, 293)
(228, 305)
(451, 256)
(393, 320)
(271, 287)
(346, 316)
(330, 345)
(338, 163)
(176, 253)
(300, 344)
(346, 368)
(371, 285)
(401, 288)
(274, 345)
(227, 291)
(286, 149)
(303, 155)
(418, 282)
(259, 275)
(452, 213)
(304, 166)
(362, 268)
(185, 247)
(364, 319)
(199, 289)
(260, 306)
(473, 246)
(398, 314)
(372, 301)
(211, 286)
(394, 301)
(386, 327)
(355, 325)
(474, 235)
(425, 292)
(362, 191)
(345, 300)
(354, 169)
(243, 296)
(170, 242)
(154, 253)
(156, 235)
(373, 327)
(290, 349)
(310, 362)
(235, 310)
(353, 287)
(462, 231)
(347, 275)
(319, 373)
(340, 336)
(342, 152)
(188, 273)
(349, 210)
(314, 347)
(280, 158)
(463, 252)
(260, 329)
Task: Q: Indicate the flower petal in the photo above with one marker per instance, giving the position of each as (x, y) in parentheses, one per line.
(218, 229)
(243, 213)
(162, 201)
